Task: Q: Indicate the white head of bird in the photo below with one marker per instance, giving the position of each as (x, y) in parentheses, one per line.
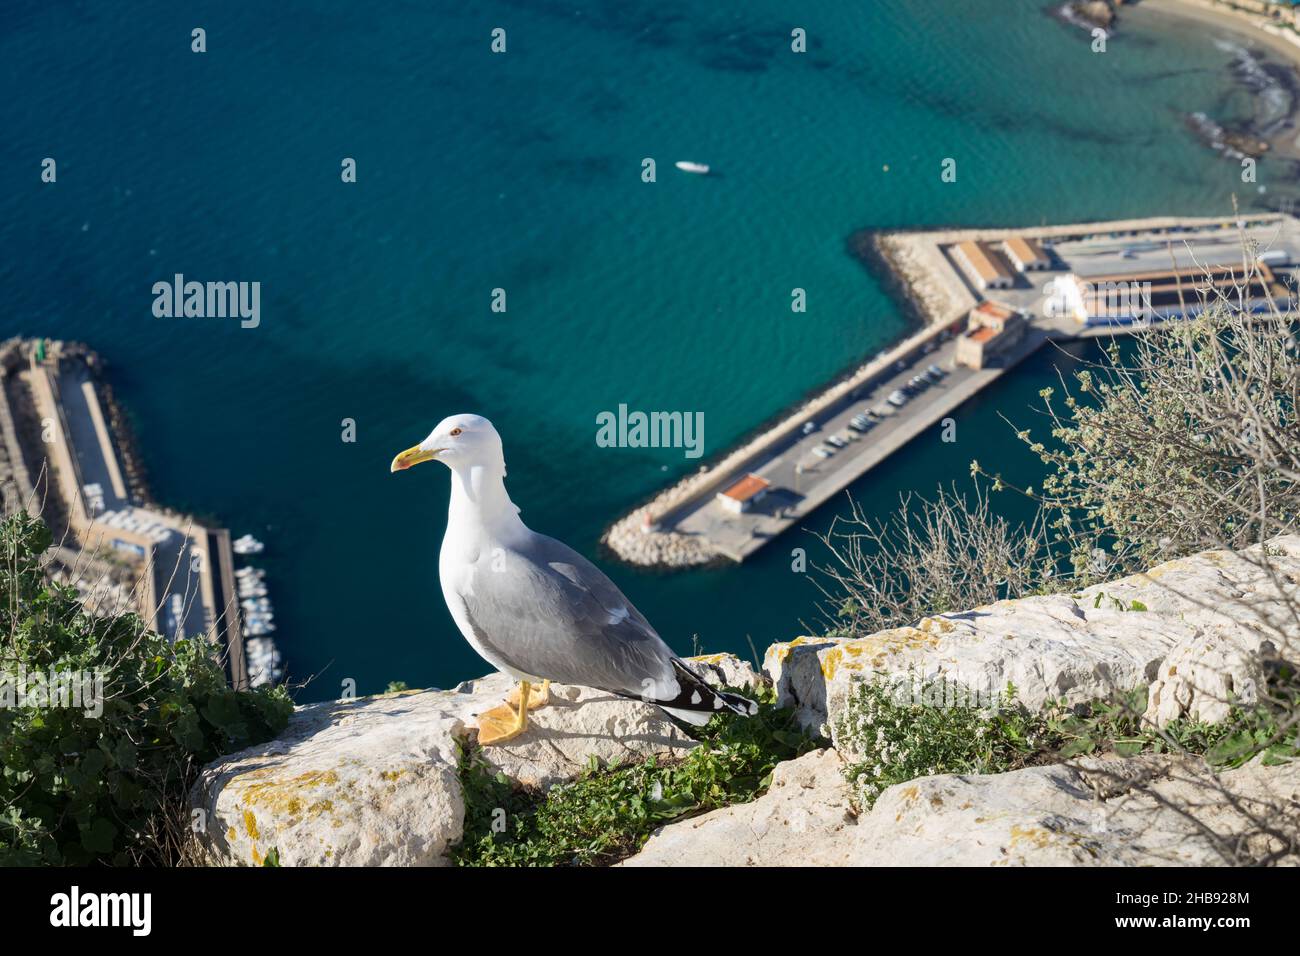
(471, 448)
(462, 443)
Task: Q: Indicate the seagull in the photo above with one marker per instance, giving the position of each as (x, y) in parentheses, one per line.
(534, 608)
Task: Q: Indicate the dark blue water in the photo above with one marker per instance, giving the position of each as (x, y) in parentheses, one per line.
(522, 171)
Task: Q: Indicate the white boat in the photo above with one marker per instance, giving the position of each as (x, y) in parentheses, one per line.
(248, 545)
(686, 166)
(264, 662)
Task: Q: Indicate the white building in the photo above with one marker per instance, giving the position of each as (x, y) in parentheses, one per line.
(741, 496)
(983, 265)
(1026, 254)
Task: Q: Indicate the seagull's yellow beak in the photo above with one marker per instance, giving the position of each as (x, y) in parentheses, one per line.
(412, 456)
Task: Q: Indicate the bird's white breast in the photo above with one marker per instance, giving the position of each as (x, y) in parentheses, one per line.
(460, 562)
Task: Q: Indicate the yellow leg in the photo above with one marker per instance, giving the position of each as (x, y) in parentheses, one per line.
(538, 697)
(521, 719)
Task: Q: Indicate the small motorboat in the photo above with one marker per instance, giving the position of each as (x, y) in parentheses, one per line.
(686, 166)
(247, 545)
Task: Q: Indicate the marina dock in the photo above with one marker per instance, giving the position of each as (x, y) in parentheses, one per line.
(123, 553)
(988, 298)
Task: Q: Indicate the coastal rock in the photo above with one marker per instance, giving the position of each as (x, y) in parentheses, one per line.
(727, 670)
(376, 782)
(1098, 13)
(800, 821)
(1149, 811)
(663, 549)
(1203, 676)
(363, 783)
(1140, 811)
(1108, 638)
(795, 670)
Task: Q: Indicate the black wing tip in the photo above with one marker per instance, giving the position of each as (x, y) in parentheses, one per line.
(698, 695)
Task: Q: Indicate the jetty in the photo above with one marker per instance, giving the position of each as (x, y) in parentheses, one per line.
(986, 299)
(64, 453)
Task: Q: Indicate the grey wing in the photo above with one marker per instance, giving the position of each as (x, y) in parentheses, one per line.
(549, 612)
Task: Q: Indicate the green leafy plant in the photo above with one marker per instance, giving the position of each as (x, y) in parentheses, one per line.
(77, 786)
(895, 737)
(608, 813)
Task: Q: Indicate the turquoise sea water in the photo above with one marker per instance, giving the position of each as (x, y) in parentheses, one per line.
(522, 171)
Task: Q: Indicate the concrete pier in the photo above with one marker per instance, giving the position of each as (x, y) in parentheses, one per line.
(122, 553)
(685, 526)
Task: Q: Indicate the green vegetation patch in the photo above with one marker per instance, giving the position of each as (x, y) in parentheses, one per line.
(79, 786)
(893, 737)
(607, 814)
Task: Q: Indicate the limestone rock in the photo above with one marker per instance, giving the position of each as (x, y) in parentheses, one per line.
(1140, 811)
(362, 783)
(1203, 675)
(1109, 637)
(375, 781)
(800, 821)
(726, 670)
(1096, 12)
(1150, 811)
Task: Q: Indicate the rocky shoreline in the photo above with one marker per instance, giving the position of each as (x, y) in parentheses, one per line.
(1089, 14)
(1267, 65)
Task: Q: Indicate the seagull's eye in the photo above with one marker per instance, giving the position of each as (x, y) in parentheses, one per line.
(454, 432)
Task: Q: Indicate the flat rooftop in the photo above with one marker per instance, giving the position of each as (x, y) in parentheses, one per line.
(748, 487)
(1174, 252)
(1025, 249)
(995, 310)
(982, 260)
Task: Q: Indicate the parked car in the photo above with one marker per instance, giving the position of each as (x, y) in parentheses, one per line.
(821, 451)
(897, 399)
(809, 427)
(836, 440)
(936, 372)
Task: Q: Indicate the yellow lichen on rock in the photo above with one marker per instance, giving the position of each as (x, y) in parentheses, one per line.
(781, 651)
(283, 796)
(1037, 836)
(943, 624)
(850, 654)
(709, 658)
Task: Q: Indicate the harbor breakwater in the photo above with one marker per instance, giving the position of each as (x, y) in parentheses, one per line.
(917, 272)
